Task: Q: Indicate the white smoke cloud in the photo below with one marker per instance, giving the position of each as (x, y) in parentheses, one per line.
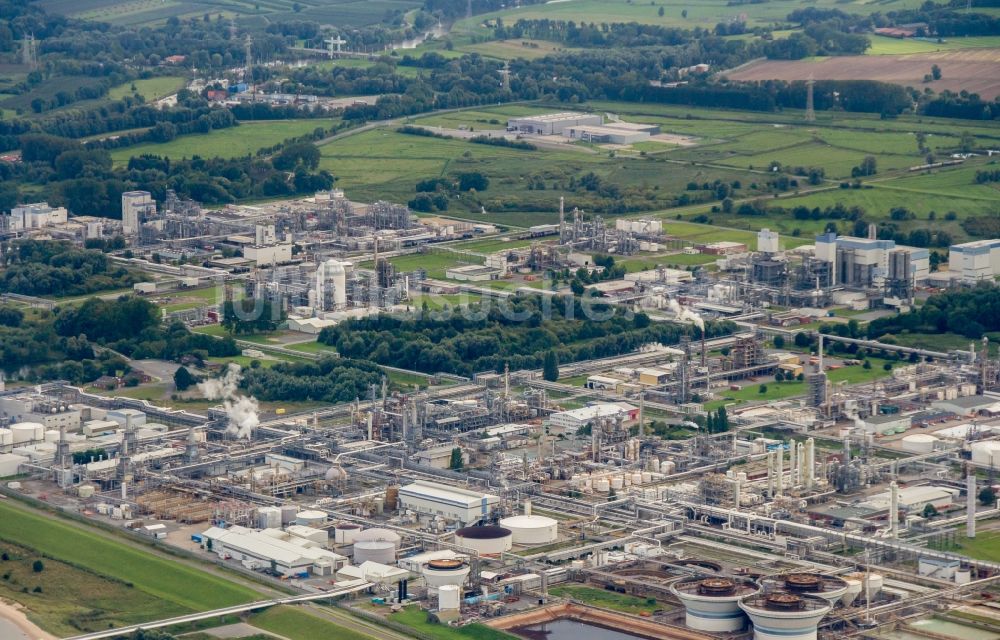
(685, 315)
(242, 410)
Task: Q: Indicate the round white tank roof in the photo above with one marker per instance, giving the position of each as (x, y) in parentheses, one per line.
(378, 534)
(984, 445)
(920, 438)
(527, 522)
(311, 514)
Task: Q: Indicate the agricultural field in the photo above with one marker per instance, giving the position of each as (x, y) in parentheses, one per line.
(884, 46)
(118, 579)
(345, 13)
(510, 49)
(243, 140)
(149, 88)
(47, 90)
(700, 13)
(972, 70)
(383, 163)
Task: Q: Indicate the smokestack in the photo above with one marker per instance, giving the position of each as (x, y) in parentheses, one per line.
(793, 467)
(810, 463)
(847, 449)
(970, 505)
(527, 506)
(819, 359)
(802, 464)
(894, 510)
(703, 350)
(872, 231)
(770, 474)
(779, 469)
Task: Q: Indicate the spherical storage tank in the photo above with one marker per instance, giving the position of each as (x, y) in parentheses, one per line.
(310, 517)
(487, 540)
(531, 529)
(984, 453)
(918, 443)
(381, 551)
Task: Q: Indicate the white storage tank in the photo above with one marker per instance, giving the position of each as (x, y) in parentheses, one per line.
(531, 529)
(6, 437)
(667, 467)
(985, 453)
(617, 483)
(24, 432)
(310, 517)
(487, 540)
(855, 585)
(52, 435)
(376, 534)
(85, 490)
(918, 443)
(346, 533)
(712, 604)
(780, 615)
(602, 485)
(288, 514)
(449, 597)
(269, 518)
(381, 551)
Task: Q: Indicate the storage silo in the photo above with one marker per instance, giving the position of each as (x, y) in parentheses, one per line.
(381, 551)
(288, 513)
(268, 518)
(6, 437)
(346, 533)
(712, 604)
(830, 588)
(487, 540)
(784, 616)
(376, 534)
(25, 432)
(531, 529)
(310, 517)
(449, 598)
(445, 571)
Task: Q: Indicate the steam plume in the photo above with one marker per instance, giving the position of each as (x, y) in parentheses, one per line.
(242, 410)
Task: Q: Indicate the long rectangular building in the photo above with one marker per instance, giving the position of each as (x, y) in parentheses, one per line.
(451, 503)
(976, 260)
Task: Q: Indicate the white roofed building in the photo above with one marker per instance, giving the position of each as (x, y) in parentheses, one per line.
(451, 503)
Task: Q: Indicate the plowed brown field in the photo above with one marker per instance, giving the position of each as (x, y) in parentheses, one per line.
(976, 71)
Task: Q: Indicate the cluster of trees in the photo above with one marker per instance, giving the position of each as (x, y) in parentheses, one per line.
(84, 180)
(57, 268)
(968, 313)
(987, 175)
(328, 380)
(251, 315)
(717, 422)
(609, 271)
(433, 193)
(487, 338)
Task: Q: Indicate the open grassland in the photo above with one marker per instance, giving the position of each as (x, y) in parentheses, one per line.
(605, 599)
(416, 619)
(66, 600)
(510, 49)
(344, 13)
(882, 45)
(234, 142)
(295, 623)
(700, 13)
(175, 585)
(149, 88)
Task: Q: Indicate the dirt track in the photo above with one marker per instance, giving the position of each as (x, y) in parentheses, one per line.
(975, 70)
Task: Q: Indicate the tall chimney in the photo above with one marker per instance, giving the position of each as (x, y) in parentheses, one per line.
(894, 510)
(970, 504)
(527, 506)
(810, 463)
(793, 466)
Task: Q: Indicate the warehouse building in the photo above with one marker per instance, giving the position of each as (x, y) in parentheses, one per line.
(551, 124)
(605, 134)
(572, 420)
(976, 260)
(272, 549)
(451, 503)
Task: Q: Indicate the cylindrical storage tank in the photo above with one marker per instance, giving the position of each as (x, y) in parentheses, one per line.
(918, 443)
(780, 615)
(875, 582)
(617, 483)
(6, 437)
(647, 477)
(51, 435)
(531, 529)
(24, 432)
(381, 551)
(378, 535)
(712, 604)
(487, 540)
(346, 533)
(310, 518)
(668, 467)
(963, 575)
(445, 572)
(602, 485)
(637, 478)
(984, 453)
(288, 514)
(85, 490)
(449, 597)
(269, 518)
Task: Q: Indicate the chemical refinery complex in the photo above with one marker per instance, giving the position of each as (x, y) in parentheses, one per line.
(668, 477)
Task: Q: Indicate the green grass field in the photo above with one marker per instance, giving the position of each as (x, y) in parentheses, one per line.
(174, 584)
(509, 49)
(883, 46)
(234, 142)
(150, 88)
(295, 623)
(985, 546)
(605, 599)
(416, 619)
